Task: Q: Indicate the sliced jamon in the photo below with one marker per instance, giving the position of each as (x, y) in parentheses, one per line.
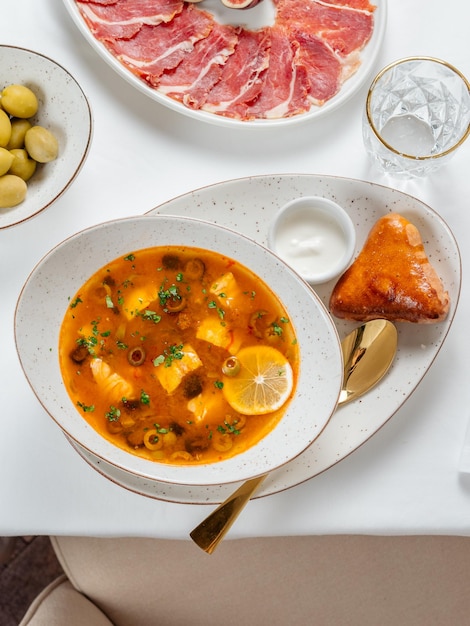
(122, 20)
(156, 49)
(324, 69)
(344, 29)
(100, 1)
(284, 90)
(278, 71)
(195, 76)
(364, 5)
(241, 79)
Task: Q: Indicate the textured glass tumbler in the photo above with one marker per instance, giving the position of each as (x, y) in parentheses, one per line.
(417, 114)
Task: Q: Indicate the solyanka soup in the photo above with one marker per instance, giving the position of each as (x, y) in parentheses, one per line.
(179, 355)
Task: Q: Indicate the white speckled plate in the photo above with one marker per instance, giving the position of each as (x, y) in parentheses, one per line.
(261, 15)
(64, 110)
(247, 205)
(62, 272)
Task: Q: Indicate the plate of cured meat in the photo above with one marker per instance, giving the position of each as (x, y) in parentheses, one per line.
(248, 205)
(278, 62)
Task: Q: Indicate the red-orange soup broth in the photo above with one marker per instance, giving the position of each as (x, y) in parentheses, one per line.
(149, 341)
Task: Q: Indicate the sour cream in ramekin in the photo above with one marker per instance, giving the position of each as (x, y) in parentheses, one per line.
(315, 236)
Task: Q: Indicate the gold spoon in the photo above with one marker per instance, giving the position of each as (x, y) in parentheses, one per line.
(368, 352)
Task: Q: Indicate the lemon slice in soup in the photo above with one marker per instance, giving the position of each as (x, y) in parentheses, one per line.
(261, 384)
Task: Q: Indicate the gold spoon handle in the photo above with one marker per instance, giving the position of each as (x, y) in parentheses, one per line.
(213, 529)
(377, 338)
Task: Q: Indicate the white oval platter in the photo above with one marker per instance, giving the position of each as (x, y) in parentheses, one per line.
(252, 18)
(247, 205)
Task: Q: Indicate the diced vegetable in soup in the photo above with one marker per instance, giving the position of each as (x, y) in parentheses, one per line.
(178, 355)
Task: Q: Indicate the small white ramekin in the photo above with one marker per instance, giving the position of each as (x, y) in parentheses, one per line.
(315, 236)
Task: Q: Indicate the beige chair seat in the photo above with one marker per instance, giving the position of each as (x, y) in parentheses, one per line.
(323, 581)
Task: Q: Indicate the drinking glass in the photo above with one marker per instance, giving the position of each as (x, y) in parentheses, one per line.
(417, 114)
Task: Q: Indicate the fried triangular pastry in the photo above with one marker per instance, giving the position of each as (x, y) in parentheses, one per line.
(391, 278)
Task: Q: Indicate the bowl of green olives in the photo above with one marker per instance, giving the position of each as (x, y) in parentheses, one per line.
(46, 127)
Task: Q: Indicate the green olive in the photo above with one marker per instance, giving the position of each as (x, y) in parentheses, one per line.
(18, 131)
(6, 159)
(12, 191)
(5, 129)
(19, 101)
(22, 165)
(41, 144)
(231, 366)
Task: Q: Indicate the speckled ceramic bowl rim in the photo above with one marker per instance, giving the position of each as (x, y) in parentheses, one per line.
(327, 206)
(59, 275)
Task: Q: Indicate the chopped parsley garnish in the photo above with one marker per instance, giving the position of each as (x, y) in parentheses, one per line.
(213, 305)
(89, 343)
(144, 397)
(169, 355)
(228, 429)
(151, 315)
(276, 328)
(160, 430)
(109, 302)
(172, 293)
(75, 302)
(113, 414)
(129, 257)
(159, 360)
(86, 408)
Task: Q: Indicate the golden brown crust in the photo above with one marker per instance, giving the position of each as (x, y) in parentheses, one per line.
(391, 278)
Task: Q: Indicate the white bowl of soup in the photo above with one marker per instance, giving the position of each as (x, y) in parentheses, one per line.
(178, 350)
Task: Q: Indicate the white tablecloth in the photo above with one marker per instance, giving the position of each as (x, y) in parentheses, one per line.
(406, 478)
